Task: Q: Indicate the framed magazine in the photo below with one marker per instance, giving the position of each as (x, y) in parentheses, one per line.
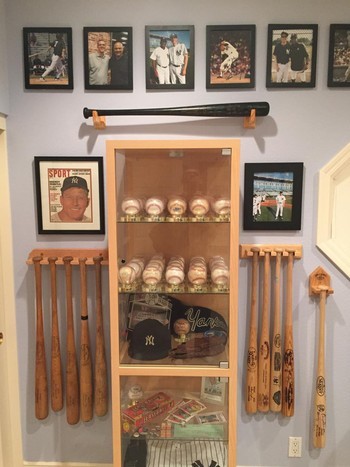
(69, 195)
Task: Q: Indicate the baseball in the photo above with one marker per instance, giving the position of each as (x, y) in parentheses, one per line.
(221, 206)
(127, 275)
(220, 275)
(152, 276)
(132, 206)
(154, 206)
(174, 275)
(199, 206)
(177, 206)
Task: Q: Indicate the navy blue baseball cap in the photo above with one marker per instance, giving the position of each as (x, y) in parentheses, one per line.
(150, 340)
(74, 182)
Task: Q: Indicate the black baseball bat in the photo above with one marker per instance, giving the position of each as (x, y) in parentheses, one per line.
(241, 109)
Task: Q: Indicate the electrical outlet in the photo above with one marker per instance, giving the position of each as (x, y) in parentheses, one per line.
(294, 446)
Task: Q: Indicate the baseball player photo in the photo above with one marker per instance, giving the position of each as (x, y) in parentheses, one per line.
(48, 58)
(230, 56)
(291, 60)
(169, 57)
(339, 56)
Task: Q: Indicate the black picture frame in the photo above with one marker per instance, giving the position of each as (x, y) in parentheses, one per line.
(339, 56)
(39, 47)
(113, 69)
(263, 182)
(236, 68)
(297, 67)
(169, 73)
(78, 172)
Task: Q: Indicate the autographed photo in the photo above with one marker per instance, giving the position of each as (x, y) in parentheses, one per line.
(169, 57)
(48, 60)
(272, 196)
(231, 56)
(69, 194)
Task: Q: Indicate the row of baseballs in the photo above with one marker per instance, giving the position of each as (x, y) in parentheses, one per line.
(199, 205)
(156, 268)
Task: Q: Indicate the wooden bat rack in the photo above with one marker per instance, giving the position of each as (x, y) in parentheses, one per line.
(246, 250)
(61, 253)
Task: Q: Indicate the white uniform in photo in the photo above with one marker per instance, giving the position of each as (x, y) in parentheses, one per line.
(161, 56)
(280, 200)
(232, 56)
(177, 59)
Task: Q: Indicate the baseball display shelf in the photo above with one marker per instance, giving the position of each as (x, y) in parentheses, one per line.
(174, 337)
(248, 110)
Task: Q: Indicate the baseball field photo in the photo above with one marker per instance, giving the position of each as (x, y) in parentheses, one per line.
(48, 58)
(339, 56)
(272, 196)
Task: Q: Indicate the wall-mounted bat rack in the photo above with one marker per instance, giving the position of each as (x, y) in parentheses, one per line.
(245, 250)
(248, 110)
(75, 253)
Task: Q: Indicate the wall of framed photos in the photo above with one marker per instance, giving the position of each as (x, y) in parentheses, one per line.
(308, 125)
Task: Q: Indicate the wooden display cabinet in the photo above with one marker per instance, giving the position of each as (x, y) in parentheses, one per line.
(142, 169)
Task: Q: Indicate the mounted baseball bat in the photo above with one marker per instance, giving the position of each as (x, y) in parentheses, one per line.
(320, 285)
(41, 390)
(251, 402)
(72, 380)
(240, 109)
(56, 365)
(276, 356)
(264, 345)
(100, 381)
(288, 390)
(86, 390)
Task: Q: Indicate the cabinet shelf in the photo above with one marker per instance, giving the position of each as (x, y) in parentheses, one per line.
(179, 338)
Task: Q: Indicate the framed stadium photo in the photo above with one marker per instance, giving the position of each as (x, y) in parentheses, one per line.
(48, 60)
(169, 57)
(69, 195)
(230, 57)
(291, 56)
(273, 196)
(339, 56)
(108, 58)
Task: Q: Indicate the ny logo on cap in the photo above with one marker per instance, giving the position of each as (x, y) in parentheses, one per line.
(149, 340)
(75, 180)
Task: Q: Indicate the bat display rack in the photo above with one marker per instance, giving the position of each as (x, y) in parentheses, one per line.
(160, 396)
(248, 110)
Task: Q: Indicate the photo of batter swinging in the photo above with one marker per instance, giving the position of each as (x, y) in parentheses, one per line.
(230, 56)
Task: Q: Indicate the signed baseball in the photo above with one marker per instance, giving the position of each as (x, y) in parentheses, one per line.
(127, 275)
(199, 206)
(221, 206)
(155, 205)
(174, 275)
(132, 206)
(177, 206)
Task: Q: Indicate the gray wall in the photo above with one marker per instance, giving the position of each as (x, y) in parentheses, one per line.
(303, 125)
(4, 90)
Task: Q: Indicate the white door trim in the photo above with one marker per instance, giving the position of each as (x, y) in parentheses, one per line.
(10, 428)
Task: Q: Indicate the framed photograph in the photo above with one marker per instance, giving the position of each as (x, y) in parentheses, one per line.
(272, 196)
(339, 56)
(169, 57)
(230, 56)
(48, 60)
(291, 56)
(69, 195)
(213, 390)
(108, 58)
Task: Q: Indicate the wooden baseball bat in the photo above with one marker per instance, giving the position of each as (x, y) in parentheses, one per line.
(264, 345)
(240, 109)
(100, 381)
(276, 355)
(288, 390)
(251, 402)
(56, 365)
(320, 412)
(86, 390)
(41, 390)
(72, 380)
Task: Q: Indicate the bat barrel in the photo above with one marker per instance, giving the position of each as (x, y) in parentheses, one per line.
(242, 109)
